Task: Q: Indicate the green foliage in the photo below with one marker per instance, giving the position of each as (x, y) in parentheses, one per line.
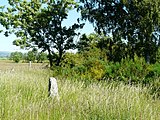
(136, 22)
(85, 66)
(84, 43)
(109, 49)
(40, 24)
(156, 69)
(129, 71)
(89, 67)
(31, 56)
(99, 58)
(41, 57)
(70, 60)
(16, 56)
(95, 68)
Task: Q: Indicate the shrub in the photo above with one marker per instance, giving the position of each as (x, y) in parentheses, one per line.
(31, 56)
(95, 68)
(41, 57)
(90, 67)
(16, 56)
(128, 70)
(70, 60)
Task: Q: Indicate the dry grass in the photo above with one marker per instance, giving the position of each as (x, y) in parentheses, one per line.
(24, 90)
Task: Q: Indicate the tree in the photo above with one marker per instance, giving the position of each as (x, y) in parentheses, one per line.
(41, 57)
(135, 21)
(143, 28)
(31, 56)
(109, 49)
(83, 44)
(39, 24)
(16, 56)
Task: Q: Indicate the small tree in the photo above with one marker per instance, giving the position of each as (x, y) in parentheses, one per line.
(16, 56)
(41, 57)
(32, 55)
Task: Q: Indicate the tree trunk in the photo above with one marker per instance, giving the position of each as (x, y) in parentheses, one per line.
(50, 57)
(147, 51)
(59, 58)
(147, 57)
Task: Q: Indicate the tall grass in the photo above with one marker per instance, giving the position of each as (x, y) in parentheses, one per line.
(23, 96)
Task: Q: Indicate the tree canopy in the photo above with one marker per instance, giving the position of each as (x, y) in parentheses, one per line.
(16, 56)
(134, 21)
(39, 24)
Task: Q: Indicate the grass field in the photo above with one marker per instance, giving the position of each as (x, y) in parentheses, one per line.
(24, 96)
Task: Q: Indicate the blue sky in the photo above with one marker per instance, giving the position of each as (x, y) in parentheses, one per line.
(6, 42)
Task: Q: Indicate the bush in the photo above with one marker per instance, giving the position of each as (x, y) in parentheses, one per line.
(128, 70)
(82, 66)
(95, 68)
(31, 56)
(16, 56)
(41, 57)
(88, 68)
(71, 60)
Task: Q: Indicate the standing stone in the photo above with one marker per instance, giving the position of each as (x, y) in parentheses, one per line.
(53, 88)
(30, 64)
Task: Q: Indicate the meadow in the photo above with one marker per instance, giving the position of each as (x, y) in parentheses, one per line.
(24, 96)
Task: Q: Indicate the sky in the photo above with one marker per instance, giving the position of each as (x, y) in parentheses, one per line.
(6, 42)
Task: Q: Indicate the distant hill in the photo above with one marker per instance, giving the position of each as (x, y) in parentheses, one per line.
(4, 54)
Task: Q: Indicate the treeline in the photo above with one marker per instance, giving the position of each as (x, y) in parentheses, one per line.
(97, 59)
(40, 24)
(34, 56)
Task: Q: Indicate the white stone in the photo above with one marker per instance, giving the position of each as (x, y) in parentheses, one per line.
(30, 64)
(53, 88)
